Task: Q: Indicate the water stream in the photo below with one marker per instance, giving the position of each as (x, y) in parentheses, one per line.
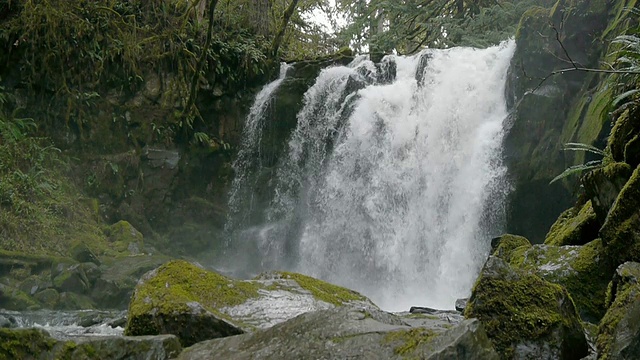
(392, 183)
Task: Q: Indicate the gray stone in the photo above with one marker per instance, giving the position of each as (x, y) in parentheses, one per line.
(461, 304)
(350, 333)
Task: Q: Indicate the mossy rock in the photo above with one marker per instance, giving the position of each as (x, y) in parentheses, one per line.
(24, 344)
(574, 227)
(321, 290)
(619, 330)
(524, 314)
(38, 344)
(14, 299)
(603, 186)
(73, 301)
(626, 205)
(195, 304)
(48, 297)
(505, 245)
(182, 299)
(78, 278)
(583, 270)
(125, 238)
(351, 333)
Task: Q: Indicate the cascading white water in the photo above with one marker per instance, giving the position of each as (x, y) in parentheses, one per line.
(249, 157)
(394, 189)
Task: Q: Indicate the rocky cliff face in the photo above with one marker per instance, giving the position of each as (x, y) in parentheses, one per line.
(553, 107)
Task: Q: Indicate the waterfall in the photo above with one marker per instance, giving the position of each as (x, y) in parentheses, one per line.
(249, 157)
(393, 182)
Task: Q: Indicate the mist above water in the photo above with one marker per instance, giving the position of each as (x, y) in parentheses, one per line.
(392, 183)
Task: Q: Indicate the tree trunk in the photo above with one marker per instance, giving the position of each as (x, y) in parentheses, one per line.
(193, 93)
(277, 41)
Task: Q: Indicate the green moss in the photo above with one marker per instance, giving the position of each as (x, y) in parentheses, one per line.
(623, 295)
(573, 228)
(407, 341)
(324, 291)
(24, 344)
(14, 299)
(582, 270)
(518, 306)
(508, 244)
(617, 230)
(172, 286)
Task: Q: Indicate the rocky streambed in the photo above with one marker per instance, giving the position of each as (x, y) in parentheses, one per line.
(529, 302)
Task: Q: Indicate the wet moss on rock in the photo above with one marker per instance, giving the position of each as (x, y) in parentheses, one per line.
(582, 270)
(321, 290)
(507, 244)
(574, 227)
(621, 324)
(183, 299)
(24, 343)
(407, 341)
(517, 307)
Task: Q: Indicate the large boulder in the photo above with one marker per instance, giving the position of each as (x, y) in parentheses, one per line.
(526, 317)
(582, 270)
(183, 299)
(351, 333)
(619, 330)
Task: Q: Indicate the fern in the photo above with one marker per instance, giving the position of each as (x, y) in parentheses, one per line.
(580, 168)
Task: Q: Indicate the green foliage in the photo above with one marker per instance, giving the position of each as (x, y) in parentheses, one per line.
(384, 25)
(580, 168)
(68, 53)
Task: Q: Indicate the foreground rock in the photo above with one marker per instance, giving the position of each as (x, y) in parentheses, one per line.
(37, 344)
(194, 304)
(525, 316)
(351, 333)
(581, 270)
(619, 330)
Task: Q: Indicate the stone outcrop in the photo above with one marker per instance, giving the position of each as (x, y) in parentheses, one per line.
(524, 315)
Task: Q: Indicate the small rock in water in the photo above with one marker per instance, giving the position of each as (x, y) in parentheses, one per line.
(422, 310)
(461, 304)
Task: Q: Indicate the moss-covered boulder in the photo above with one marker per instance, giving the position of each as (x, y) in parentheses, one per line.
(505, 245)
(14, 299)
(78, 278)
(603, 185)
(524, 315)
(620, 232)
(125, 238)
(582, 270)
(38, 344)
(351, 333)
(576, 226)
(619, 330)
(195, 304)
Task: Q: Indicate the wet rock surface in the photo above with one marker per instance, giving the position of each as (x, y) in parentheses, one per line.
(354, 333)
